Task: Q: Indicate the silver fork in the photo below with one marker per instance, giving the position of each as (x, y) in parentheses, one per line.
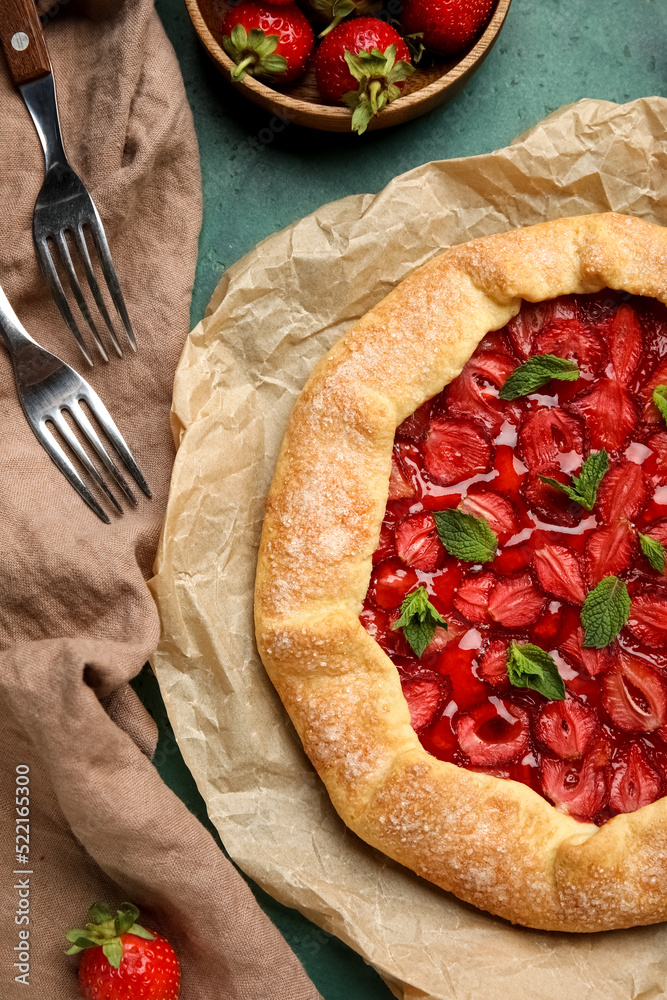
(48, 389)
(63, 207)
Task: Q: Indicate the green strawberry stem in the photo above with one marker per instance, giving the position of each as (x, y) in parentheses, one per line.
(239, 70)
(105, 931)
(340, 10)
(253, 52)
(378, 75)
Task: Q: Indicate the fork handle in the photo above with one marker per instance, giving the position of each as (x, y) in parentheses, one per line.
(23, 41)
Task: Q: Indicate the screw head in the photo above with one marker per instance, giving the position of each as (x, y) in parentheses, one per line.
(20, 41)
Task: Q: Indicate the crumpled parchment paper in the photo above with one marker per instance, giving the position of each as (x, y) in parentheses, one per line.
(272, 316)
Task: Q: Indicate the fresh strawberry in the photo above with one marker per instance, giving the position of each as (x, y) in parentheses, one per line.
(363, 63)
(418, 544)
(634, 696)
(447, 26)
(493, 733)
(578, 788)
(496, 508)
(455, 450)
(623, 493)
(593, 661)
(475, 392)
(568, 728)
(472, 597)
(625, 343)
(608, 412)
(648, 619)
(571, 339)
(272, 41)
(424, 696)
(559, 573)
(121, 960)
(515, 602)
(416, 425)
(549, 504)
(609, 552)
(635, 782)
(390, 582)
(493, 665)
(551, 437)
(651, 412)
(400, 487)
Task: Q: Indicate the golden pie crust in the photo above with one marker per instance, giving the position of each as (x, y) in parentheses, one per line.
(492, 842)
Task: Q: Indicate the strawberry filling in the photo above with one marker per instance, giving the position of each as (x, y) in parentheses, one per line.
(603, 749)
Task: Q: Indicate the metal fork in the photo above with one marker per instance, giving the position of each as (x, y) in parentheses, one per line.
(63, 207)
(48, 389)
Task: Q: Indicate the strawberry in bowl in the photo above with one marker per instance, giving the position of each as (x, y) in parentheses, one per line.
(527, 524)
(446, 26)
(271, 41)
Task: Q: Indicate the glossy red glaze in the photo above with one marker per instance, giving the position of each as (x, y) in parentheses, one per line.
(551, 552)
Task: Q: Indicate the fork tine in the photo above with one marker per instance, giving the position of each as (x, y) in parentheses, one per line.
(81, 454)
(114, 435)
(53, 281)
(95, 288)
(91, 436)
(72, 277)
(58, 456)
(109, 271)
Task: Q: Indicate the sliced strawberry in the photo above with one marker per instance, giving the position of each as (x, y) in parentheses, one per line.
(635, 782)
(493, 665)
(548, 503)
(400, 487)
(658, 530)
(514, 601)
(535, 317)
(625, 343)
(390, 582)
(609, 413)
(559, 573)
(623, 493)
(455, 450)
(609, 552)
(415, 426)
(496, 508)
(648, 619)
(593, 661)
(634, 696)
(551, 438)
(651, 412)
(571, 339)
(578, 788)
(386, 545)
(658, 445)
(475, 392)
(494, 733)
(472, 597)
(418, 544)
(568, 728)
(424, 696)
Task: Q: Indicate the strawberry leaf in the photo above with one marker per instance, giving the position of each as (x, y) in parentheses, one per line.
(660, 399)
(141, 932)
(465, 536)
(528, 666)
(113, 952)
(604, 613)
(419, 620)
(584, 489)
(535, 372)
(125, 917)
(654, 552)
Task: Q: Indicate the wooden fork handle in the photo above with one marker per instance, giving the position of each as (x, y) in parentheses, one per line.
(23, 41)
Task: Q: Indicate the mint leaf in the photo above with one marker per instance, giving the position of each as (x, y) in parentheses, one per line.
(660, 399)
(584, 489)
(537, 371)
(465, 536)
(528, 666)
(654, 552)
(418, 620)
(605, 611)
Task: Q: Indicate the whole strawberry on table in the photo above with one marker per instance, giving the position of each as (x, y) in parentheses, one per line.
(362, 61)
(121, 960)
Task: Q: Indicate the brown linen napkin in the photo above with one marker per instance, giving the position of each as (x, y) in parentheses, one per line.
(76, 618)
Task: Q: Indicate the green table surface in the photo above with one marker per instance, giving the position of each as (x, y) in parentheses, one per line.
(550, 53)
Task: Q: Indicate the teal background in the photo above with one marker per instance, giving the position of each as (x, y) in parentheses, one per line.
(550, 53)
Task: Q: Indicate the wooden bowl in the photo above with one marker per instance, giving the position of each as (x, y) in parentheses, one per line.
(300, 102)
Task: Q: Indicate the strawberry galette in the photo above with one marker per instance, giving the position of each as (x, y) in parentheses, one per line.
(461, 591)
